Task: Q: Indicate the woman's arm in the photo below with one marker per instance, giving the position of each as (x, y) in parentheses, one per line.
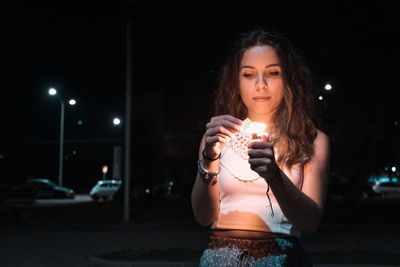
(304, 207)
(205, 194)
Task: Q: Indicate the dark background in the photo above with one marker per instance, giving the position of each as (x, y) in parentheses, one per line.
(79, 48)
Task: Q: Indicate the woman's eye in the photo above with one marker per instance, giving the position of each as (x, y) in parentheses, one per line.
(273, 73)
(247, 75)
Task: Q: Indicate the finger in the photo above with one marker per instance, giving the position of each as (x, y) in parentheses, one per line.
(254, 163)
(257, 144)
(219, 131)
(226, 139)
(228, 118)
(226, 124)
(260, 169)
(211, 140)
(260, 153)
(218, 138)
(265, 137)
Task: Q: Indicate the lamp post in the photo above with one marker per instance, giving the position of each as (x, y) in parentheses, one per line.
(72, 102)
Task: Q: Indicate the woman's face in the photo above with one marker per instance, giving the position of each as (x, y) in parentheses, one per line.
(260, 82)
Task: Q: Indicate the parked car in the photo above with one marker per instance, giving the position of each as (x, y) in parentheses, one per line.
(48, 189)
(386, 188)
(105, 189)
(367, 191)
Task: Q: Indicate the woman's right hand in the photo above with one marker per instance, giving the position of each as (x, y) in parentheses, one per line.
(219, 131)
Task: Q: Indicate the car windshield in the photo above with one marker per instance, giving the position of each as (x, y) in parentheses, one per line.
(48, 182)
(52, 183)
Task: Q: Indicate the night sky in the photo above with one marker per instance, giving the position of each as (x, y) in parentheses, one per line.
(80, 50)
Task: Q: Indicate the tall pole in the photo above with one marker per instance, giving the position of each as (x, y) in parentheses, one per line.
(128, 100)
(61, 157)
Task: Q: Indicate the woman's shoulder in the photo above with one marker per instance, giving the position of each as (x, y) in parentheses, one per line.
(321, 146)
(321, 138)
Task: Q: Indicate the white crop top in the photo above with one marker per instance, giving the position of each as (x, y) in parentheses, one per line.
(243, 201)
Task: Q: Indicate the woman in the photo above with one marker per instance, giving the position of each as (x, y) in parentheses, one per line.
(258, 196)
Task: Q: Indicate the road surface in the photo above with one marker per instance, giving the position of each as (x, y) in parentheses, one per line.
(79, 198)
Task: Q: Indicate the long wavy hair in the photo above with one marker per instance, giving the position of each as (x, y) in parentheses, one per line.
(296, 118)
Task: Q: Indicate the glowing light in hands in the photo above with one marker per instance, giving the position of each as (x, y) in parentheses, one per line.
(255, 128)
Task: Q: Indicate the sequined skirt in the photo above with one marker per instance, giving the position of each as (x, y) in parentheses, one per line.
(277, 250)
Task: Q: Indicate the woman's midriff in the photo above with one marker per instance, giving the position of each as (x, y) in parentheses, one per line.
(246, 234)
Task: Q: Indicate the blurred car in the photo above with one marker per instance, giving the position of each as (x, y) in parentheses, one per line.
(386, 188)
(48, 189)
(367, 191)
(105, 189)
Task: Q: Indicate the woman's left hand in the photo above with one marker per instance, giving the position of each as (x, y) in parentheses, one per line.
(262, 160)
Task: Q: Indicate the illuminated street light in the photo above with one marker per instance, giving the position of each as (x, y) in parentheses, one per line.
(116, 121)
(53, 92)
(104, 170)
(72, 102)
(321, 97)
(393, 169)
(328, 87)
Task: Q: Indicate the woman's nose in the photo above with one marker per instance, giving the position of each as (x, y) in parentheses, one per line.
(261, 83)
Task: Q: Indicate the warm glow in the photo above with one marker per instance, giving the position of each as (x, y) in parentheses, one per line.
(104, 169)
(255, 128)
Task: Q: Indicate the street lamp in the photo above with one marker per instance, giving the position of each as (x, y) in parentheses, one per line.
(116, 121)
(72, 102)
(52, 91)
(328, 87)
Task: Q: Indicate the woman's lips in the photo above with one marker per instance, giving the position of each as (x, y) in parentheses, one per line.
(261, 99)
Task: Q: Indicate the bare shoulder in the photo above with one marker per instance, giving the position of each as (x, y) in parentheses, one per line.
(321, 139)
(321, 146)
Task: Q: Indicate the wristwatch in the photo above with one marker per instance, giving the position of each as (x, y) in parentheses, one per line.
(206, 175)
